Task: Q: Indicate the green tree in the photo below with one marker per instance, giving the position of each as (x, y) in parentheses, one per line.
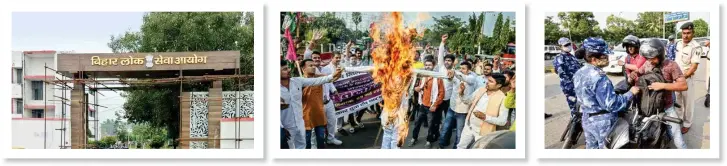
(448, 24)
(579, 25)
(334, 27)
(617, 28)
(108, 127)
(494, 43)
(148, 134)
(701, 28)
(505, 35)
(650, 24)
(552, 31)
(177, 32)
(107, 142)
(356, 18)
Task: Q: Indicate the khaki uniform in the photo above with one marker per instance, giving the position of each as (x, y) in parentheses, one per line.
(687, 54)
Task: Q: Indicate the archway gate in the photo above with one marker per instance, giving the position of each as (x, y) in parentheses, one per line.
(84, 70)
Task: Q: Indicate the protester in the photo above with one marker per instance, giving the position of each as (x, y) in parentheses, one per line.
(391, 123)
(457, 112)
(354, 61)
(432, 90)
(510, 102)
(509, 95)
(486, 111)
(595, 93)
(566, 65)
(313, 111)
(330, 108)
(497, 65)
(445, 63)
(291, 92)
(689, 53)
(675, 81)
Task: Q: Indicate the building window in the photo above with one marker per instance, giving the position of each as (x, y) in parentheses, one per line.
(37, 114)
(19, 76)
(37, 87)
(18, 106)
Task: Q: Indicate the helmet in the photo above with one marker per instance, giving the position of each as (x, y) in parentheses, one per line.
(595, 45)
(563, 41)
(631, 40)
(652, 48)
(671, 37)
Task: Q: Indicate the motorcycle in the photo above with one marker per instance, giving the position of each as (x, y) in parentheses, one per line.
(573, 131)
(642, 131)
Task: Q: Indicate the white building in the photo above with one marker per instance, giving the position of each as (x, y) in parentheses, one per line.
(38, 114)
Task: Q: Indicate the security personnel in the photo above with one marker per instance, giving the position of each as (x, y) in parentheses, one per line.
(566, 65)
(671, 48)
(688, 56)
(595, 93)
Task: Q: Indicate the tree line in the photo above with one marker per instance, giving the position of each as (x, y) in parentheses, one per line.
(580, 25)
(465, 35)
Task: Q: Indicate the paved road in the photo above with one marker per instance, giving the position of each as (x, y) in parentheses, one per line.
(555, 104)
(548, 63)
(365, 138)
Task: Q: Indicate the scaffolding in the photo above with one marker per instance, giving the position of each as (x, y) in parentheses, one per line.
(63, 85)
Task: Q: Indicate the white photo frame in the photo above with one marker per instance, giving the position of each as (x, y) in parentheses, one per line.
(536, 91)
(133, 6)
(374, 6)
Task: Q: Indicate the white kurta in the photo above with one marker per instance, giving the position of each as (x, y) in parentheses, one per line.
(292, 117)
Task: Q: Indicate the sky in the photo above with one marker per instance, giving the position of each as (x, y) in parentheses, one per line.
(368, 17)
(82, 32)
(601, 16)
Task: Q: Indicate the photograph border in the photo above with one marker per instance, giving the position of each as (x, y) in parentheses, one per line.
(537, 14)
(347, 6)
(132, 6)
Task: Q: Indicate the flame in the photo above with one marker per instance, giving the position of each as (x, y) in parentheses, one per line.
(393, 57)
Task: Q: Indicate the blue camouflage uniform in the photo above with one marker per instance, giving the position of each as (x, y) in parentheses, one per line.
(671, 51)
(566, 65)
(599, 103)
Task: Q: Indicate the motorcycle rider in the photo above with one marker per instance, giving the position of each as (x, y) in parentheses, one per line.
(595, 93)
(633, 61)
(654, 52)
(566, 65)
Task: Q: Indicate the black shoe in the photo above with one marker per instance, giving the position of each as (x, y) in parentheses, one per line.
(548, 115)
(343, 132)
(706, 101)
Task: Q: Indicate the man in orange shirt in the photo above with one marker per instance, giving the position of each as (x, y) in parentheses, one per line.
(432, 90)
(314, 115)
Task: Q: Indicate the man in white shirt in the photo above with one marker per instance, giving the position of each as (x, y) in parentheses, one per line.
(486, 111)
(688, 56)
(455, 117)
(444, 64)
(328, 89)
(291, 113)
(350, 60)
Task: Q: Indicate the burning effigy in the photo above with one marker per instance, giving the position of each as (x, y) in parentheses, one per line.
(393, 55)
